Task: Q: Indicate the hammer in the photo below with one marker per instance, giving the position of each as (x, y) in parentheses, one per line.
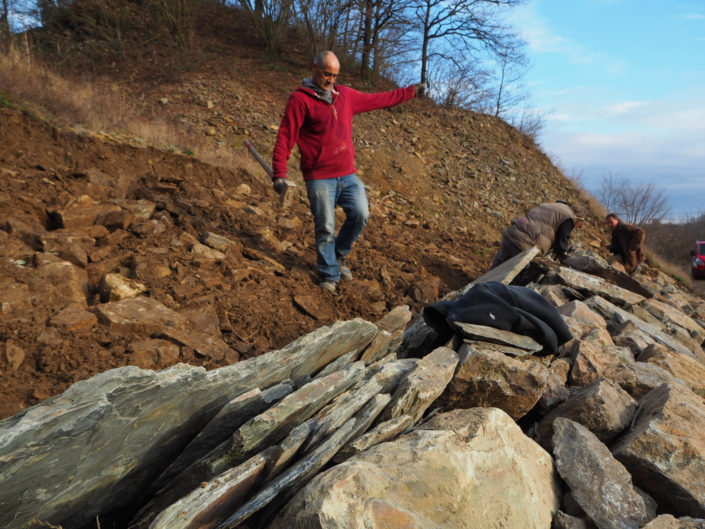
(285, 195)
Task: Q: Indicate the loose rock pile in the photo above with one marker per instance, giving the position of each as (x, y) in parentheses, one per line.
(365, 424)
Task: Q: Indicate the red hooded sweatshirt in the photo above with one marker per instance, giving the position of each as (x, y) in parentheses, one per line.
(323, 131)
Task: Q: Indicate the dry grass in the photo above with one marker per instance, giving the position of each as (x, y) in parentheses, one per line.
(100, 106)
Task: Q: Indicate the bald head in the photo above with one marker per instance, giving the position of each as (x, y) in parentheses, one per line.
(325, 69)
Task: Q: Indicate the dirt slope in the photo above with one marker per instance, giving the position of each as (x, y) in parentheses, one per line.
(442, 186)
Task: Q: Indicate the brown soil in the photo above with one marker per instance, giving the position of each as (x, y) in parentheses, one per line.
(442, 186)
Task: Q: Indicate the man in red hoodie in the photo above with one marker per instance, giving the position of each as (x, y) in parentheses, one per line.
(318, 118)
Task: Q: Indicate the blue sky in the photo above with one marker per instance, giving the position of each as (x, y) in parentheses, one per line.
(623, 82)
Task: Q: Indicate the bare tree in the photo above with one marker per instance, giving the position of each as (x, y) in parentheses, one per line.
(319, 22)
(5, 18)
(452, 86)
(463, 26)
(378, 17)
(511, 62)
(642, 204)
(271, 20)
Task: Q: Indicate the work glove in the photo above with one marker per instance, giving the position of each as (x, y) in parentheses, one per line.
(420, 89)
(279, 184)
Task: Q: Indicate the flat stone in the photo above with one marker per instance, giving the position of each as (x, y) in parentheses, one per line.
(69, 281)
(141, 209)
(115, 219)
(385, 343)
(619, 316)
(581, 312)
(649, 377)
(149, 317)
(295, 477)
(202, 252)
(599, 483)
(491, 379)
(494, 335)
(82, 213)
(669, 314)
(553, 293)
(287, 450)
(74, 318)
(203, 317)
(591, 362)
(213, 501)
(111, 436)
(630, 336)
(151, 353)
(383, 432)
(347, 404)
(68, 247)
(271, 426)
(594, 265)
(423, 385)
(594, 285)
(219, 429)
(218, 242)
(395, 320)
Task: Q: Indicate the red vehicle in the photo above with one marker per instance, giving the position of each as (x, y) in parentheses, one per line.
(698, 259)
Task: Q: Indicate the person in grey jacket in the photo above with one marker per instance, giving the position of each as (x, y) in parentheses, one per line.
(547, 227)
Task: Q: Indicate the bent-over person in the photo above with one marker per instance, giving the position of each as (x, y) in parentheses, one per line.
(547, 227)
(627, 243)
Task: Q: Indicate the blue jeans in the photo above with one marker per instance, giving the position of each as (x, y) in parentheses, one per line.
(323, 195)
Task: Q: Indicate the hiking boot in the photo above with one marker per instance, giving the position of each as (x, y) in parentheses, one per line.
(345, 272)
(328, 285)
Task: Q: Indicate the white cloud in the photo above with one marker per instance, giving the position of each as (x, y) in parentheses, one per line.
(692, 16)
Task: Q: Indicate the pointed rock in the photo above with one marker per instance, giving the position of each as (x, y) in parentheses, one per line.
(665, 451)
(599, 483)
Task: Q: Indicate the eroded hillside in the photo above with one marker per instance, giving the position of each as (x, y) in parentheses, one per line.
(78, 205)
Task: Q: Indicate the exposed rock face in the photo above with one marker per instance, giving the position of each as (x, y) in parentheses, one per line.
(598, 482)
(460, 469)
(128, 419)
(188, 448)
(489, 378)
(602, 407)
(665, 452)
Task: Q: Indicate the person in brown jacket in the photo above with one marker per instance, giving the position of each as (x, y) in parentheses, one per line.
(627, 242)
(547, 226)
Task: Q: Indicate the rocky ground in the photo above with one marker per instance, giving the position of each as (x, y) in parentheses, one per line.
(81, 209)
